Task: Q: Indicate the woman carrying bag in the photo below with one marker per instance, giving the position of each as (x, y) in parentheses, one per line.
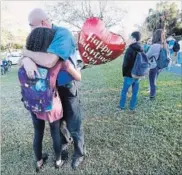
(158, 42)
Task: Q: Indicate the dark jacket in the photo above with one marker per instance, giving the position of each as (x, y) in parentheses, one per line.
(129, 58)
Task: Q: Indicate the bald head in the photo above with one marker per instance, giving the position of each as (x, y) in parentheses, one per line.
(38, 18)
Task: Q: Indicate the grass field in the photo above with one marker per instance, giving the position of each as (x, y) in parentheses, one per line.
(118, 142)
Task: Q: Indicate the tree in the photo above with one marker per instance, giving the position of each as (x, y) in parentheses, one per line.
(11, 40)
(166, 16)
(74, 13)
(6, 39)
(11, 37)
(178, 29)
(146, 34)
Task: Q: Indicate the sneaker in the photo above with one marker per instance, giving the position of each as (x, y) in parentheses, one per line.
(59, 163)
(77, 161)
(133, 111)
(120, 108)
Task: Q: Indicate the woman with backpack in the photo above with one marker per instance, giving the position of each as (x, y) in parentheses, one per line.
(39, 40)
(158, 42)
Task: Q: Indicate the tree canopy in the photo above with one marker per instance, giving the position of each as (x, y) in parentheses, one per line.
(166, 16)
(74, 13)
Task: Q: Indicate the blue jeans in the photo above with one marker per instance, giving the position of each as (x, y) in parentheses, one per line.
(153, 74)
(135, 87)
(179, 57)
(39, 126)
(2, 70)
(72, 115)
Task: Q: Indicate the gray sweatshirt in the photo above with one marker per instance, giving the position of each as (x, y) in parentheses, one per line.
(154, 50)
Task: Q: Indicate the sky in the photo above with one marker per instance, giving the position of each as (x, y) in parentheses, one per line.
(137, 11)
(19, 10)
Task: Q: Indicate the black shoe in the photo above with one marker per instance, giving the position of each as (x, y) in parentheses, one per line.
(76, 161)
(152, 97)
(44, 158)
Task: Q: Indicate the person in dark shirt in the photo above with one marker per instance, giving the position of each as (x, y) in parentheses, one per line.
(5, 65)
(128, 63)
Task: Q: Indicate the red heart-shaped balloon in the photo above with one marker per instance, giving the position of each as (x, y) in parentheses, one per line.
(97, 45)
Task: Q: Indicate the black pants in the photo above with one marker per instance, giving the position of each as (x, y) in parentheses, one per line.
(72, 116)
(39, 126)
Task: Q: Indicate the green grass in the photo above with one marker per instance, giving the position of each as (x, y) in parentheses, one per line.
(118, 142)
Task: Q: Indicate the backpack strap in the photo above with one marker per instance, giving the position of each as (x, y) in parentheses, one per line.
(71, 60)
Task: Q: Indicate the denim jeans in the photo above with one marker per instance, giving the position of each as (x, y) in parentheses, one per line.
(153, 74)
(39, 126)
(172, 61)
(135, 87)
(179, 57)
(72, 115)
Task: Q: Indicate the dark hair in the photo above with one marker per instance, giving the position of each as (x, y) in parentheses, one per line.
(157, 36)
(136, 35)
(39, 39)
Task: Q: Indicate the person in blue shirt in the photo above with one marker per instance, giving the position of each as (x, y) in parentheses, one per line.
(179, 54)
(5, 66)
(2, 67)
(170, 41)
(62, 47)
